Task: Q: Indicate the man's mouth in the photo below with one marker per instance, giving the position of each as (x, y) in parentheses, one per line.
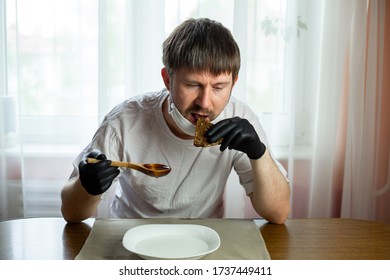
(197, 116)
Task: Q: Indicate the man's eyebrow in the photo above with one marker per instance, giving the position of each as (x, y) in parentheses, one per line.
(190, 81)
(194, 81)
(223, 83)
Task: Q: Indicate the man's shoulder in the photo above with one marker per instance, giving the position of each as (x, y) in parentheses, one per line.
(238, 108)
(138, 103)
(146, 100)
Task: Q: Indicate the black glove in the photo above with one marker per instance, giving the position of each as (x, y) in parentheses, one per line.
(237, 134)
(96, 178)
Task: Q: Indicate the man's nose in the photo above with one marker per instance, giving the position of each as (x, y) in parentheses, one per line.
(203, 99)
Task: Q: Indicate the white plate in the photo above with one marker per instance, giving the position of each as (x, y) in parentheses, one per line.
(171, 241)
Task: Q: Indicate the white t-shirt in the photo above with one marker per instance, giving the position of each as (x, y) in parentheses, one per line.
(136, 131)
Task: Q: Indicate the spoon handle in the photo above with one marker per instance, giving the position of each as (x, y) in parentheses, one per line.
(113, 163)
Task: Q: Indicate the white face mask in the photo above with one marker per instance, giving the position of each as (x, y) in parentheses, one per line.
(185, 125)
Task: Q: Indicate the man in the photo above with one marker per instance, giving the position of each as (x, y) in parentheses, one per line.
(201, 64)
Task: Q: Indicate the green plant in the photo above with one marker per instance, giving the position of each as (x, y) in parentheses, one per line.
(277, 27)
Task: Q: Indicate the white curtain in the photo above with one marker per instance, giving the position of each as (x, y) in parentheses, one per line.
(312, 70)
(348, 159)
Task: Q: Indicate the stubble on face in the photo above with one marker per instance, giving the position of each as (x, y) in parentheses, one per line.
(187, 87)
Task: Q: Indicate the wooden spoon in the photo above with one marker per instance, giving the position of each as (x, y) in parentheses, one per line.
(151, 169)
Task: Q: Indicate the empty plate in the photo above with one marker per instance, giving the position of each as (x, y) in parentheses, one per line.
(171, 241)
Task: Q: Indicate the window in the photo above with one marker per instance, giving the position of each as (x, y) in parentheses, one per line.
(69, 62)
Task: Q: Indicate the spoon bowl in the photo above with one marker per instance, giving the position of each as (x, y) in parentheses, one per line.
(150, 169)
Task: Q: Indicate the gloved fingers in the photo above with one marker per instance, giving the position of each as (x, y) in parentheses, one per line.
(237, 140)
(96, 178)
(217, 126)
(220, 130)
(231, 138)
(101, 157)
(96, 154)
(210, 134)
(91, 168)
(108, 178)
(108, 172)
(99, 182)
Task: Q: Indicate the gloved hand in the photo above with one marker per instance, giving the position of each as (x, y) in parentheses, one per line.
(96, 178)
(237, 134)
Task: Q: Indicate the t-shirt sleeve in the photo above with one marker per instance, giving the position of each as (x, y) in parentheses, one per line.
(105, 140)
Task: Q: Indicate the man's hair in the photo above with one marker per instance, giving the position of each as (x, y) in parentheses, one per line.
(201, 45)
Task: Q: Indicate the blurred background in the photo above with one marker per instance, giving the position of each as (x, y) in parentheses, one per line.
(314, 71)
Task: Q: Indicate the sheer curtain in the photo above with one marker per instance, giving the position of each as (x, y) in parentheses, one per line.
(366, 184)
(313, 71)
(350, 158)
(340, 94)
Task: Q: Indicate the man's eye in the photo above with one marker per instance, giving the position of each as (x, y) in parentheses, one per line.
(218, 88)
(192, 85)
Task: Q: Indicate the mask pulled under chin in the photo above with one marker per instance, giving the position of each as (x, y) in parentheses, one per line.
(185, 125)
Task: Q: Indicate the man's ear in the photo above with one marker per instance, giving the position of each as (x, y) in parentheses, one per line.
(235, 80)
(166, 79)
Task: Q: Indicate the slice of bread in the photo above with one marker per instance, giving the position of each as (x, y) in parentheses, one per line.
(202, 125)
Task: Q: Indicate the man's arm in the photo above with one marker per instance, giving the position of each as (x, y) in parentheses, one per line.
(271, 191)
(77, 203)
(81, 195)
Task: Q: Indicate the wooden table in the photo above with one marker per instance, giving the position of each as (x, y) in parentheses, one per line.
(327, 239)
(42, 238)
(299, 239)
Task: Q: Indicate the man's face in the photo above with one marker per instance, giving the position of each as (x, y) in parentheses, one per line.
(198, 94)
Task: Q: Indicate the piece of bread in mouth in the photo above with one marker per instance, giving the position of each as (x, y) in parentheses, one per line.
(202, 125)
